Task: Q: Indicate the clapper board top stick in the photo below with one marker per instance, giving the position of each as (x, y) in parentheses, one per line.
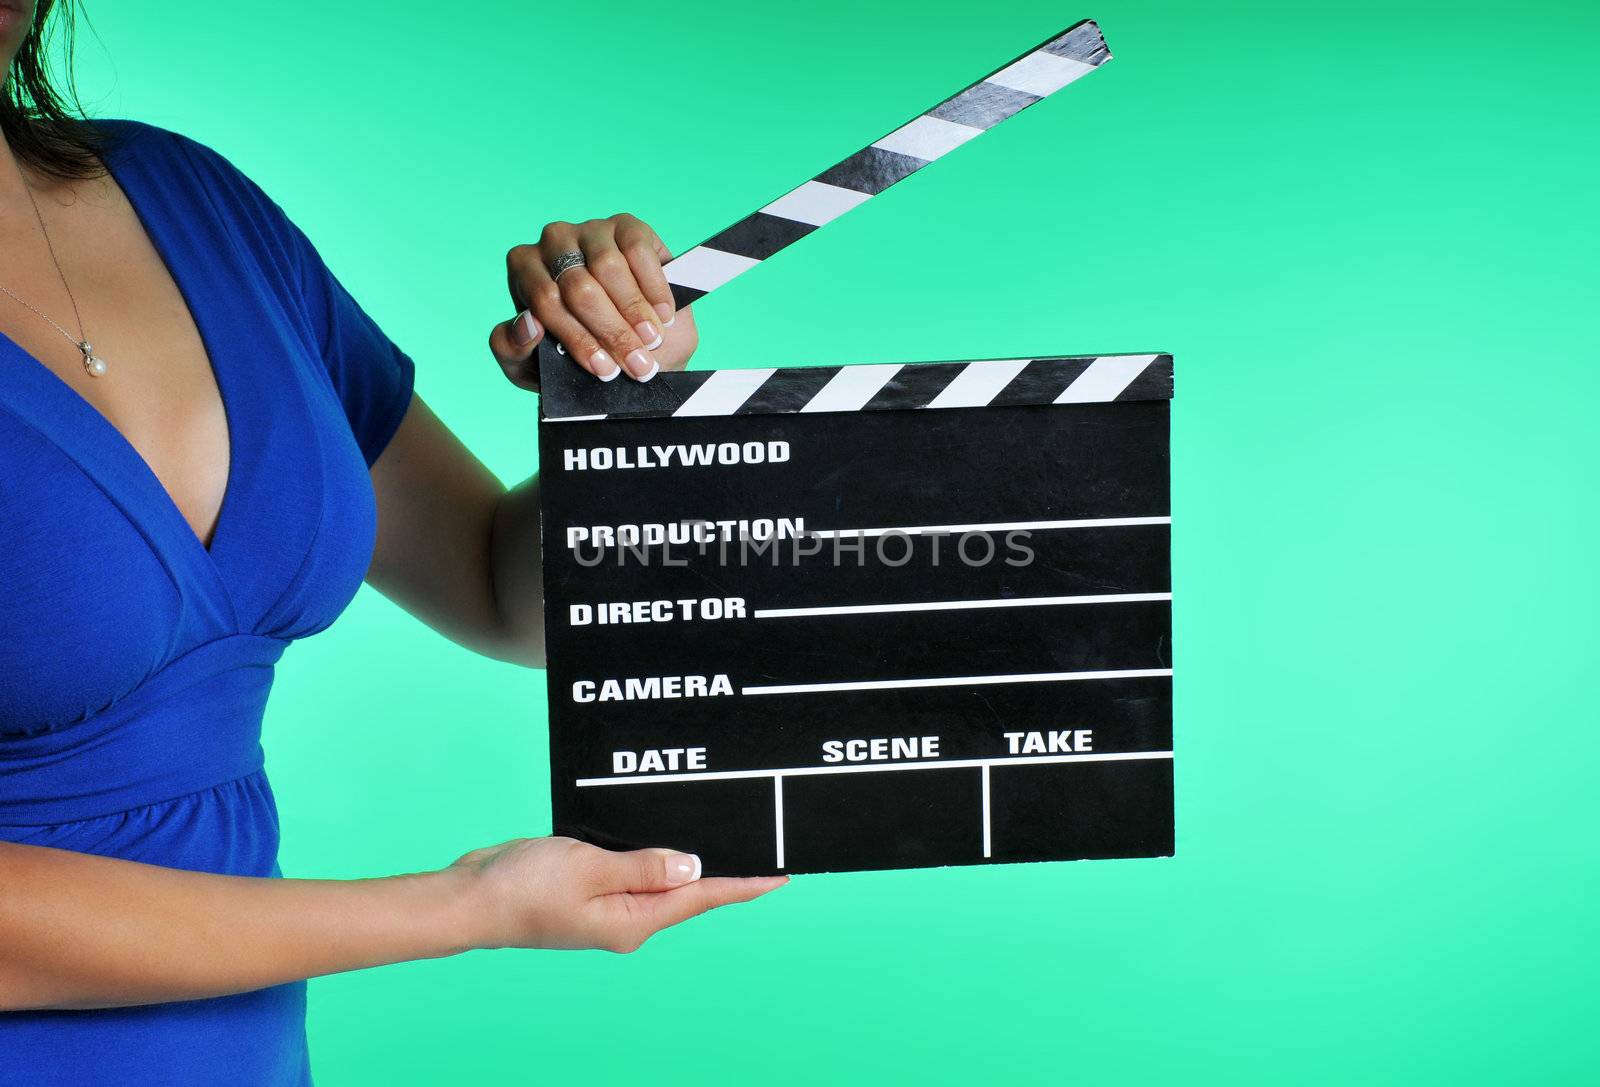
(897, 615)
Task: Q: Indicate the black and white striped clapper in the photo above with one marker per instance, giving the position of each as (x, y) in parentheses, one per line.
(875, 616)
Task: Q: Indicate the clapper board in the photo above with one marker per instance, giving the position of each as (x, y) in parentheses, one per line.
(827, 618)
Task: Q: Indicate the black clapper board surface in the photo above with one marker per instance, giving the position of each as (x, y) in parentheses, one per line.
(857, 617)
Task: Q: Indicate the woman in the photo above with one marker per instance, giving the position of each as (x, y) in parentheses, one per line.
(205, 444)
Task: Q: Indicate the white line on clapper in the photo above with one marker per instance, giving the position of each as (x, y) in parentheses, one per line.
(777, 775)
(962, 605)
(992, 526)
(957, 681)
(987, 851)
(777, 813)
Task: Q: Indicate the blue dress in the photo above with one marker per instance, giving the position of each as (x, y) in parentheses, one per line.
(134, 661)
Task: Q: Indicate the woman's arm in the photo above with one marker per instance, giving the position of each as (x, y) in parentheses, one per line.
(455, 548)
(80, 931)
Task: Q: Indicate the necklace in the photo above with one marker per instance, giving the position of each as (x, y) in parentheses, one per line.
(92, 363)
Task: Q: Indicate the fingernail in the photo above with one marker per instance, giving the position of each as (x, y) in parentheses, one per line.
(524, 329)
(641, 365)
(605, 368)
(682, 868)
(668, 314)
(648, 335)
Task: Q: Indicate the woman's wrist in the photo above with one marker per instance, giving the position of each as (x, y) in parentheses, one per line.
(448, 910)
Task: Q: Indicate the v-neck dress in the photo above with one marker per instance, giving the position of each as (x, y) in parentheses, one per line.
(135, 661)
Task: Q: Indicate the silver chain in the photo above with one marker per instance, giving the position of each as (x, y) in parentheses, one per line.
(41, 313)
(95, 366)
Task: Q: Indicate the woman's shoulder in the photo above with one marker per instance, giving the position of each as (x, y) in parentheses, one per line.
(121, 133)
(139, 143)
(191, 174)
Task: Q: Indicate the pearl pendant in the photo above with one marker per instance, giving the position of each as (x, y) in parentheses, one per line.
(94, 364)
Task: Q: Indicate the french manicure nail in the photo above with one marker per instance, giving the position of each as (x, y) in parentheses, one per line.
(523, 329)
(641, 365)
(648, 335)
(668, 314)
(605, 368)
(682, 868)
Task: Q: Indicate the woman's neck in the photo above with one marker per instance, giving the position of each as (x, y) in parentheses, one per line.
(18, 179)
(13, 187)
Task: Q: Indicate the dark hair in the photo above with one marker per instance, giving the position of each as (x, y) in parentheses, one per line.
(46, 127)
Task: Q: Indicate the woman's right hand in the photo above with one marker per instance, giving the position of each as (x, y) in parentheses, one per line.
(563, 894)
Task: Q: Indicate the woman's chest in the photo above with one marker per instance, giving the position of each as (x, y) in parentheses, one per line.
(103, 580)
(85, 270)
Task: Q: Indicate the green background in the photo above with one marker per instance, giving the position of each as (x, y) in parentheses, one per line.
(1368, 233)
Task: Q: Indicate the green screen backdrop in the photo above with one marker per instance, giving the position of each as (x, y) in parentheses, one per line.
(1367, 232)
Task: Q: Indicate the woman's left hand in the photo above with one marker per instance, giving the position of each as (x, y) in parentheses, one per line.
(614, 314)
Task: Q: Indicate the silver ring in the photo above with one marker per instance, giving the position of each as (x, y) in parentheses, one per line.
(563, 263)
